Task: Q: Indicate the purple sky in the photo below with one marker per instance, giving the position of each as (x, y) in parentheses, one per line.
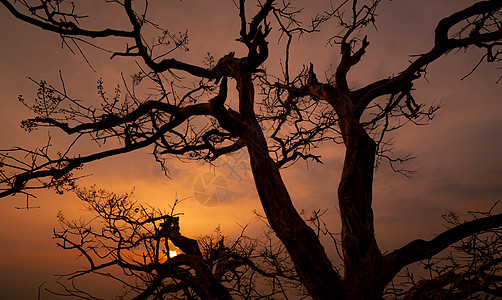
(459, 160)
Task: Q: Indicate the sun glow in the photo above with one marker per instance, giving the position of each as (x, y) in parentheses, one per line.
(172, 253)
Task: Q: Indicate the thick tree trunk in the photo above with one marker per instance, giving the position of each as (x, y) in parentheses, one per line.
(364, 274)
(362, 258)
(311, 262)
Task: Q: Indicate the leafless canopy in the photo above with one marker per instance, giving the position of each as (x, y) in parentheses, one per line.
(292, 115)
(143, 249)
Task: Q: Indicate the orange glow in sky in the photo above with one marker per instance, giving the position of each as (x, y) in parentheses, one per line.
(459, 160)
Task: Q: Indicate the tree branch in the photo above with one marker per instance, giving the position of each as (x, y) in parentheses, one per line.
(442, 45)
(419, 249)
(65, 28)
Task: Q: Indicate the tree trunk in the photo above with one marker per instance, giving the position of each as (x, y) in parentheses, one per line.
(311, 262)
(364, 274)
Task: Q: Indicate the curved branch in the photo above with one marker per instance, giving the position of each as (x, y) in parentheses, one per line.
(50, 168)
(66, 28)
(347, 62)
(165, 64)
(419, 249)
(442, 44)
(109, 120)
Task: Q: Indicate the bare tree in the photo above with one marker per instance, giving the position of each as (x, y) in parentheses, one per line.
(301, 110)
(143, 249)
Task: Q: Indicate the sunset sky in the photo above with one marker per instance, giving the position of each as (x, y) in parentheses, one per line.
(458, 164)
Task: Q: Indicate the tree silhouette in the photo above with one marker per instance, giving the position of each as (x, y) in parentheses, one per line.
(142, 248)
(300, 112)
